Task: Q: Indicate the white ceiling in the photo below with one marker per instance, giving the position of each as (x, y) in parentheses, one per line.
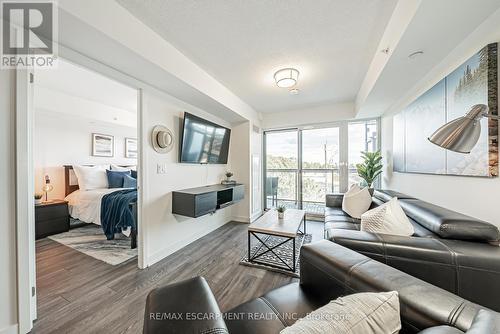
(76, 81)
(242, 43)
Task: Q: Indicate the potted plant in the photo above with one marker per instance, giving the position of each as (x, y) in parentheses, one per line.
(38, 198)
(228, 176)
(371, 168)
(281, 211)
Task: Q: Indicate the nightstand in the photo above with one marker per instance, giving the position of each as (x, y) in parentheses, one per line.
(51, 218)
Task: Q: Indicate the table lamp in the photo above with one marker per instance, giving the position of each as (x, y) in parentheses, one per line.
(47, 187)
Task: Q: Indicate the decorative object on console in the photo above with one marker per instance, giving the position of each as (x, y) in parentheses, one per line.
(103, 145)
(474, 83)
(356, 201)
(371, 168)
(162, 139)
(359, 313)
(281, 211)
(388, 218)
(38, 198)
(461, 134)
(228, 178)
(47, 188)
(131, 148)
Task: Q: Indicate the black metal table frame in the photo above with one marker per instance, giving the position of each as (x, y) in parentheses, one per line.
(286, 266)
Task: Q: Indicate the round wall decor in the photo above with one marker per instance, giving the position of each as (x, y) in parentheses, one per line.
(162, 139)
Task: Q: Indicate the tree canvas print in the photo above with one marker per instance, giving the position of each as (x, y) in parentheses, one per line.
(474, 82)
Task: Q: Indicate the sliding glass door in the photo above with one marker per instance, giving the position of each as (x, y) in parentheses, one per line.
(320, 172)
(282, 158)
(303, 165)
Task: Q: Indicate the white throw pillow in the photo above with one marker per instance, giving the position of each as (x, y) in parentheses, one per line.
(389, 218)
(91, 177)
(361, 313)
(122, 169)
(356, 201)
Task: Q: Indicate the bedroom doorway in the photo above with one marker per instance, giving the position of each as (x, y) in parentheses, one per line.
(77, 145)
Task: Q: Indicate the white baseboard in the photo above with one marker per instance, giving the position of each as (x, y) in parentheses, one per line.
(13, 329)
(160, 255)
(241, 219)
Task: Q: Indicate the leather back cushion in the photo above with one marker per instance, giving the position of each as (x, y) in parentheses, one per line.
(386, 195)
(449, 224)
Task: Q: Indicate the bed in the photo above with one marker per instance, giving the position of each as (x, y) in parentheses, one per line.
(118, 203)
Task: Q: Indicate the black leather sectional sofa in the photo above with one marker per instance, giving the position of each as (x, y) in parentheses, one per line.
(450, 250)
(327, 271)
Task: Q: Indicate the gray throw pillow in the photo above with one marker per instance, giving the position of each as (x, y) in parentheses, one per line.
(361, 313)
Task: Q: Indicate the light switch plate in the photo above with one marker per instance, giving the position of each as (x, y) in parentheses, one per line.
(161, 168)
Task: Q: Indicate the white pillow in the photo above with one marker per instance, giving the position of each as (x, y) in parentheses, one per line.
(361, 313)
(91, 177)
(389, 218)
(356, 201)
(122, 169)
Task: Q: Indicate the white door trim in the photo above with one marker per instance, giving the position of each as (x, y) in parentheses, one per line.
(25, 212)
(25, 209)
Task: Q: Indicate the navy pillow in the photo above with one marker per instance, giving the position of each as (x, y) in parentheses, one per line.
(133, 173)
(115, 178)
(129, 182)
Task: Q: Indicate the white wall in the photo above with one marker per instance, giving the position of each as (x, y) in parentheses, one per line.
(165, 232)
(66, 140)
(477, 197)
(8, 288)
(240, 165)
(313, 115)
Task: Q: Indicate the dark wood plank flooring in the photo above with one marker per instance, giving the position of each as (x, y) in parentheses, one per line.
(79, 294)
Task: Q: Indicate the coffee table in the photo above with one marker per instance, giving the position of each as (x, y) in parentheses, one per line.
(269, 225)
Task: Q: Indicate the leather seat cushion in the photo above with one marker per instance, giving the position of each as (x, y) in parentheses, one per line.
(278, 308)
(332, 211)
(441, 330)
(340, 219)
(449, 224)
(342, 226)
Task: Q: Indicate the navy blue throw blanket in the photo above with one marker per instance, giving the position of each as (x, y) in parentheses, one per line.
(116, 214)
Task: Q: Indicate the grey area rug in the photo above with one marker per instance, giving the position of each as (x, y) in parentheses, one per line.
(90, 240)
(284, 251)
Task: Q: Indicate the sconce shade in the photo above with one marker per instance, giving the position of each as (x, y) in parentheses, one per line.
(461, 134)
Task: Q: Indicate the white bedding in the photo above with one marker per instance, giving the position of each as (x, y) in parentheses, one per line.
(86, 205)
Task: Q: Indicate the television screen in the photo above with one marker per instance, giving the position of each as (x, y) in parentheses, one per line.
(203, 142)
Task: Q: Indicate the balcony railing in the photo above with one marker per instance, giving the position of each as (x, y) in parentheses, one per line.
(282, 188)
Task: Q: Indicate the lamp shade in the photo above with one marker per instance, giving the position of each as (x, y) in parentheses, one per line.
(461, 134)
(286, 78)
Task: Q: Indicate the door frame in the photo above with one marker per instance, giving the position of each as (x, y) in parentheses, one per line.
(25, 209)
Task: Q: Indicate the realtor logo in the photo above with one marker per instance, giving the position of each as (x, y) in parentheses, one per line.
(28, 34)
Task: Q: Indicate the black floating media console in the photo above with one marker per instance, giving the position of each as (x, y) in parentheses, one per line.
(196, 202)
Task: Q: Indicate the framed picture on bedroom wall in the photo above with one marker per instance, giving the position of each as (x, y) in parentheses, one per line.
(103, 145)
(131, 148)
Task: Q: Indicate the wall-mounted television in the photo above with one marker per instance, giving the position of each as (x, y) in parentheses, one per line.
(203, 142)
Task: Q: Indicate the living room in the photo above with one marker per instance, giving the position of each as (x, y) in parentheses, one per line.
(299, 167)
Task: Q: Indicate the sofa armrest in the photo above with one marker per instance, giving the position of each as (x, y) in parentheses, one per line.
(184, 307)
(334, 269)
(334, 200)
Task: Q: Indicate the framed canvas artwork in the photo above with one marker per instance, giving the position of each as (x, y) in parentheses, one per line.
(473, 82)
(131, 148)
(103, 145)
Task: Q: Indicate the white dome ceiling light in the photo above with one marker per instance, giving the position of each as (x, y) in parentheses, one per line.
(286, 77)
